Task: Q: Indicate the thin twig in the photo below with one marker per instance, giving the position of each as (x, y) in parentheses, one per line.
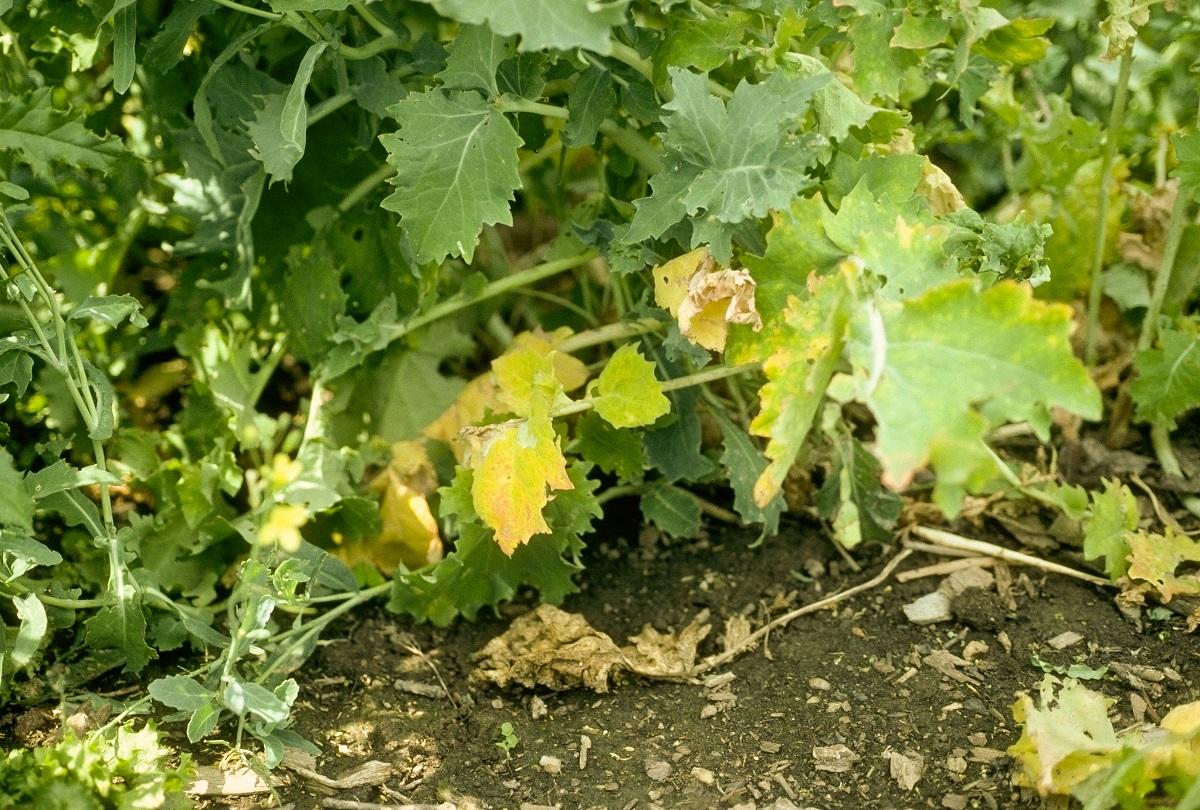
(948, 567)
(747, 643)
(346, 804)
(957, 541)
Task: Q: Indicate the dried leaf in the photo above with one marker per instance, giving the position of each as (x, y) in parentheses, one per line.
(705, 300)
(550, 648)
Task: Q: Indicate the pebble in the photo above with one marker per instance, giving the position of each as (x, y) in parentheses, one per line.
(658, 769)
(703, 775)
(585, 745)
(1064, 640)
(550, 765)
(929, 609)
(954, 801)
(906, 769)
(537, 708)
(834, 758)
(820, 684)
(966, 579)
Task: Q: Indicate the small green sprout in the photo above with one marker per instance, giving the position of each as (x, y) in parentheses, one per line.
(508, 740)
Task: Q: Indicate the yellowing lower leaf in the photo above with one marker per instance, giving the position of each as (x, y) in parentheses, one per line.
(803, 359)
(705, 300)
(517, 464)
(1156, 559)
(627, 394)
(410, 533)
(1065, 739)
(485, 394)
(527, 382)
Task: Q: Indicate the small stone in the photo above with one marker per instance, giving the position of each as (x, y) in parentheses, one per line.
(973, 649)
(703, 775)
(551, 765)
(954, 801)
(498, 703)
(834, 758)
(769, 747)
(658, 770)
(537, 708)
(1064, 640)
(929, 609)
(906, 769)
(965, 579)
(709, 710)
(978, 738)
(956, 764)
(820, 684)
(585, 745)
(611, 787)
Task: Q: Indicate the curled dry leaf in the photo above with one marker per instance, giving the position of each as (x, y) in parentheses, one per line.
(937, 187)
(553, 649)
(706, 299)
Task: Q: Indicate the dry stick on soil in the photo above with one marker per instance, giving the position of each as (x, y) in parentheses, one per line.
(938, 569)
(749, 641)
(958, 542)
(345, 804)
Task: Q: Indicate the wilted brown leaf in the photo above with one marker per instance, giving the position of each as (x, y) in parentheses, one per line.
(551, 648)
(706, 299)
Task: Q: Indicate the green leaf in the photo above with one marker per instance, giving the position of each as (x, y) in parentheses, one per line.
(704, 44)
(1168, 377)
(477, 573)
(917, 33)
(121, 627)
(124, 48)
(280, 127)
(110, 309)
(615, 451)
(627, 394)
(40, 136)
(730, 161)
(839, 109)
(802, 360)
(32, 630)
(20, 553)
(473, 57)
(854, 500)
(744, 463)
(202, 722)
(1113, 517)
(941, 370)
(1064, 739)
(16, 507)
(180, 692)
(673, 445)
(456, 170)
(591, 100)
(61, 476)
(1187, 152)
(542, 24)
(672, 510)
(16, 368)
(166, 48)
(246, 697)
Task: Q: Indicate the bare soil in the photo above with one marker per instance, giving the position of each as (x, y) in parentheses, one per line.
(861, 676)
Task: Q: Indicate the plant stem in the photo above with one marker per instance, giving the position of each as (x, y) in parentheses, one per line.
(365, 186)
(304, 632)
(328, 107)
(699, 378)
(254, 12)
(1160, 438)
(609, 333)
(1116, 120)
(634, 145)
(509, 104)
(370, 18)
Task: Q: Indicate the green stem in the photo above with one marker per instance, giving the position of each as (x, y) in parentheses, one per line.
(623, 53)
(612, 493)
(365, 186)
(634, 145)
(328, 107)
(1160, 438)
(254, 12)
(373, 48)
(609, 333)
(300, 635)
(1116, 120)
(370, 18)
(509, 104)
(699, 378)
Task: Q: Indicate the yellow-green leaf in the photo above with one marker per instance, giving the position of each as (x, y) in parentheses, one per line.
(1156, 559)
(627, 394)
(517, 465)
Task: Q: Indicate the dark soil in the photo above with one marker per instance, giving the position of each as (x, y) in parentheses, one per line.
(860, 675)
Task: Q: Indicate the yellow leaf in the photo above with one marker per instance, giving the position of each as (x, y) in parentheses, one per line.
(1162, 560)
(704, 299)
(517, 465)
(484, 394)
(937, 187)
